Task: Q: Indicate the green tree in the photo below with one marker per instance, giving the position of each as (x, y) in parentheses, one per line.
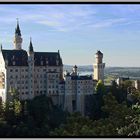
(133, 127)
(13, 108)
(100, 88)
(76, 125)
(45, 115)
(116, 113)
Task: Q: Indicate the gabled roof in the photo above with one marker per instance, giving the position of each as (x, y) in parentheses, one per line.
(20, 57)
(52, 58)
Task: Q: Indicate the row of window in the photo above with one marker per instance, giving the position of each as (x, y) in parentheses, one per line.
(16, 70)
(23, 76)
(38, 70)
(19, 82)
(26, 82)
(53, 91)
(41, 92)
(37, 76)
(53, 86)
(41, 86)
(81, 82)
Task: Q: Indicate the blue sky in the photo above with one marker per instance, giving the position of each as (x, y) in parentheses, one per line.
(78, 31)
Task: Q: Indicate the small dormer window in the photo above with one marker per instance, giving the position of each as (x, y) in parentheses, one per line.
(42, 63)
(57, 62)
(13, 62)
(46, 61)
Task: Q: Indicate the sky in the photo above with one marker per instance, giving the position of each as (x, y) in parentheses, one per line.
(77, 30)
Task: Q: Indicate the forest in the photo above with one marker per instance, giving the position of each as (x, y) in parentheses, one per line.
(111, 114)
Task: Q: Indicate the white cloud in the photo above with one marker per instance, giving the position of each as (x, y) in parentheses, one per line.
(64, 18)
(108, 23)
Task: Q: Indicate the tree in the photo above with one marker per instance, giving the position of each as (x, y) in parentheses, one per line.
(127, 84)
(76, 125)
(100, 88)
(100, 92)
(13, 108)
(133, 127)
(44, 113)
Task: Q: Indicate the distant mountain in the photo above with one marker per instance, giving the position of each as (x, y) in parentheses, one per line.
(80, 68)
(132, 72)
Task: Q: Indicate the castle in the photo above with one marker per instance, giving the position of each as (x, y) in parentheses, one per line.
(33, 73)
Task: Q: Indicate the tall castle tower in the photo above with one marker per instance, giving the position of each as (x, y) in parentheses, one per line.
(17, 38)
(99, 67)
(31, 69)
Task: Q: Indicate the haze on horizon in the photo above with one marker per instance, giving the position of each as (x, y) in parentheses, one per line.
(78, 31)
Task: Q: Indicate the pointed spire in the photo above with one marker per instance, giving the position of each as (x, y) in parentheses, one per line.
(1, 47)
(31, 46)
(17, 30)
(58, 53)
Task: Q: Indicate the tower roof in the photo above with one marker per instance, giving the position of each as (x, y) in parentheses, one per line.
(17, 30)
(31, 46)
(99, 52)
(75, 67)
